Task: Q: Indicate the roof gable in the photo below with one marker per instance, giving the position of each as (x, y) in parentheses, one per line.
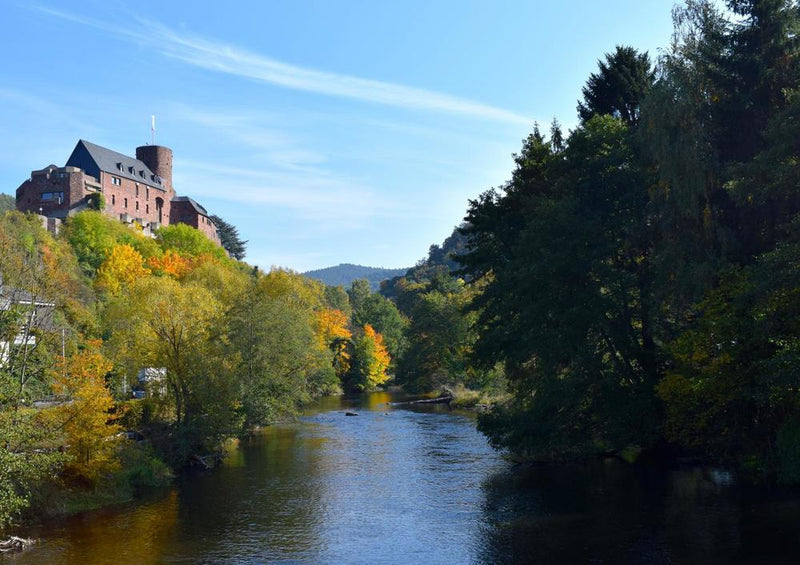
(94, 158)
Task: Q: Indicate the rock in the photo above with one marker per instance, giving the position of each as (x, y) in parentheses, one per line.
(350, 414)
(15, 544)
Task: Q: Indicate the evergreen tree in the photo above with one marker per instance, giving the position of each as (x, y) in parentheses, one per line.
(618, 88)
(229, 237)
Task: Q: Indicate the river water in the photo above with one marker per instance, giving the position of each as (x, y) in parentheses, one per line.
(401, 484)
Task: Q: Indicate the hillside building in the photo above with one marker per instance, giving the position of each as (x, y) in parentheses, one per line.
(133, 189)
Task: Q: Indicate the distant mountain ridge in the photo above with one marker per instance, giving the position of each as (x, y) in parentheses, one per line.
(346, 273)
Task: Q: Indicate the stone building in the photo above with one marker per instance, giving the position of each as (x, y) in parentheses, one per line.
(133, 189)
(185, 210)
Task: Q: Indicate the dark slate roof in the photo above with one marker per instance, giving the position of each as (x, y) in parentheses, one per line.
(93, 159)
(197, 207)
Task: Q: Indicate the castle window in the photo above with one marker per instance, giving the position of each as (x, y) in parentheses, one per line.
(120, 167)
(53, 196)
(113, 199)
(126, 203)
(137, 204)
(147, 208)
(137, 190)
(130, 169)
(116, 181)
(141, 174)
(147, 193)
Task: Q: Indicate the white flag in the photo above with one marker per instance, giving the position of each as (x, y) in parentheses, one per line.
(153, 123)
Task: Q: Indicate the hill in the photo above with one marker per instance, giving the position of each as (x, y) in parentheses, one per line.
(7, 202)
(346, 273)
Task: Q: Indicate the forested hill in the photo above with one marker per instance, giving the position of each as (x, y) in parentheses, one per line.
(7, 202)
(346, 273)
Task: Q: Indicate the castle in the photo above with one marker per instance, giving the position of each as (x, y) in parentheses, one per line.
(129, 189)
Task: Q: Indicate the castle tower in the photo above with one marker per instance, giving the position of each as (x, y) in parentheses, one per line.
(159, 160)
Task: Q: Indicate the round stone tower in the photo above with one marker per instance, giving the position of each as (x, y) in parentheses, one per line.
(159, 160)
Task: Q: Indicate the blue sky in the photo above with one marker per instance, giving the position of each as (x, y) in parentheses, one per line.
(327, 132)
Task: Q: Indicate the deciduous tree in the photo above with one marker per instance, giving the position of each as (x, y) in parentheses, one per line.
(85, 414)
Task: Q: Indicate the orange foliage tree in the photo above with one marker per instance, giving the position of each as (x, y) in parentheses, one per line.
(171, 264)
(89, 428)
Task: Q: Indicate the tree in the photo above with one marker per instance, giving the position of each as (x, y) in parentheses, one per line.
(336, 298)
(7, 203)
(27, 457)
(385, 318)
(229, 237)
(358, 292)
(92, 235)
(85, 415)
(34, 268)
(283, 361)
(731, 392)
(180, 328)
(618, 88)
(439, 342)
(333, 333)
(122, 267)
(371, 360)
(171, 264)
(567, 305)
(187, 241)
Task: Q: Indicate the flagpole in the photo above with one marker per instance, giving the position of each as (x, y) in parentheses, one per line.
(153, 128)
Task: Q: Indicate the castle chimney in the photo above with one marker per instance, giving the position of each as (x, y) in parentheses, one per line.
(159, 160)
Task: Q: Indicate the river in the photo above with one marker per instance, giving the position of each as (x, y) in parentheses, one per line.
(403, 484)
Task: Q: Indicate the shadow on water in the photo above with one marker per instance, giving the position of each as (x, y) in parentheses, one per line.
(611, 512)
(418, 484)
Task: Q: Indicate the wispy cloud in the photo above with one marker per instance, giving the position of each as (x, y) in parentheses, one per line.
(222, 57)
(327, 200)
(41, 107)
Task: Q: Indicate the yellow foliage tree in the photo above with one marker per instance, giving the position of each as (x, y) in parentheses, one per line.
(123, 266)
(85, 417)
(331, 325)
(332, 333)
(371, 359)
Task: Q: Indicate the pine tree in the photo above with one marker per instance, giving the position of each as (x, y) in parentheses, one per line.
(229, 237)
(619, 86)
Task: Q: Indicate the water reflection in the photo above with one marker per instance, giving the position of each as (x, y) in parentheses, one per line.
(610, 512)
(411, 484)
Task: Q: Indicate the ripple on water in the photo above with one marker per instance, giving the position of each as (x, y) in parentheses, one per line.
(400, 485)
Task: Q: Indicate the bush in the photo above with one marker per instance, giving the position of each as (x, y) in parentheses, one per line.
(142, 468)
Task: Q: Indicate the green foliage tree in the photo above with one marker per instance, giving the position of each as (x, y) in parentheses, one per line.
(282, 361)
(96, 201)
(358, 293)
(187, 241)
(440, 340)
(229, 237)
(336, 297)
(7, 203)
(27, 457)
(617, 89)
(92, 235)
(180, 328)
(34, 269)
(370, 361)
(732, 390)
(385, 318)
(567, 304)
